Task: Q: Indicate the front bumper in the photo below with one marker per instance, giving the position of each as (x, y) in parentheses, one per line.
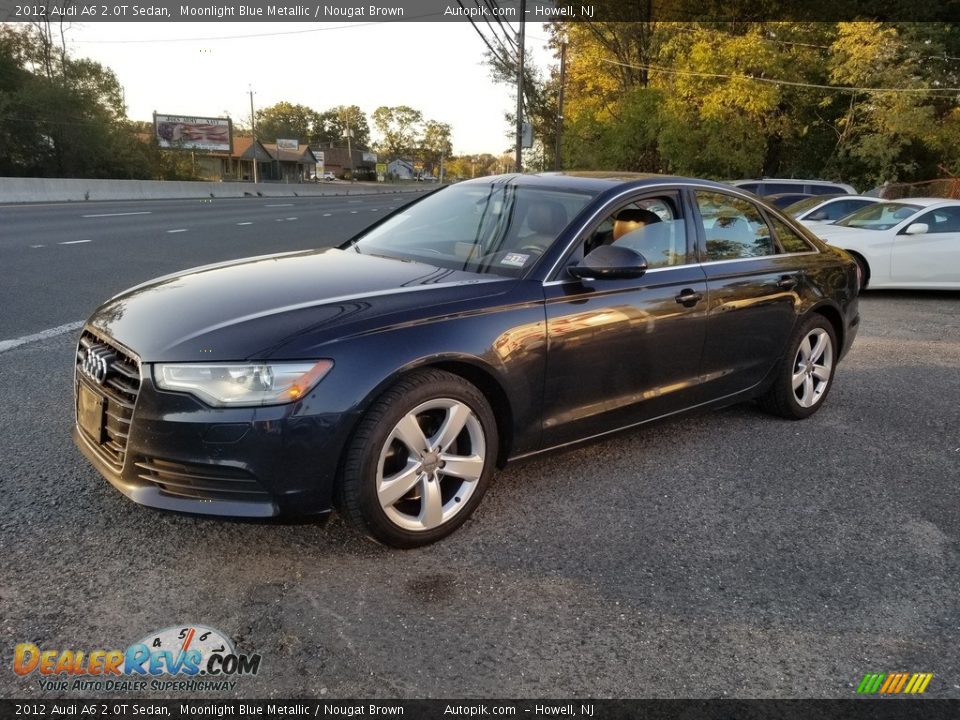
(184, 456)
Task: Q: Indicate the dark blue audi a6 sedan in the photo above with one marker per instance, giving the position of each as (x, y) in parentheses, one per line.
(487, 321)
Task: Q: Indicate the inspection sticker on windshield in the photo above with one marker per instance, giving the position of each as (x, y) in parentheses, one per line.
(514, 259)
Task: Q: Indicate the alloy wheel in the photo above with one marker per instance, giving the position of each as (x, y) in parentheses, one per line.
(431, 464)
(812, 367)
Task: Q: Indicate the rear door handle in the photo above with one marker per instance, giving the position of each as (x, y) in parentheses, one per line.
(787, 282)
(688, 297)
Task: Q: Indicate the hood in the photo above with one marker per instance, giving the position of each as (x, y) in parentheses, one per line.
(827, 231)
(251, 308)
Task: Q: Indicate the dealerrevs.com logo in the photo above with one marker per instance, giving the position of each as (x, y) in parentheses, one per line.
(186, 658)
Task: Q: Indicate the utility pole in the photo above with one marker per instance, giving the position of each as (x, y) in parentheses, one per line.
(559, 133)
(346, 115)
(520, 50)
(253, 130)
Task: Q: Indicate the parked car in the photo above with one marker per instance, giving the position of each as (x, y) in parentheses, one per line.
(912, 244)
(489, 320)
(328, 176)
(781, 200)
(819, 209)
(773, 186)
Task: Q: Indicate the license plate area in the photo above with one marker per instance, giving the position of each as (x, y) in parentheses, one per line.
(91, 411)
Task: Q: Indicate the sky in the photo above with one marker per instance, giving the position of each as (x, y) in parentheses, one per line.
(207, 69)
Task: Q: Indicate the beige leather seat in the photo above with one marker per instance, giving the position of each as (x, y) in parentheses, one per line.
(631, 219)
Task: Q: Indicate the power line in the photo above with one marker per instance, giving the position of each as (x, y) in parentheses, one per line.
(772, 81)
(483, 37)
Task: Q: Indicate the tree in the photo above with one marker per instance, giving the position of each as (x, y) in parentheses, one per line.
(61, 117)
(332, 127)
(399, 129)
(904, 130)
(435, 143)
(288, 121)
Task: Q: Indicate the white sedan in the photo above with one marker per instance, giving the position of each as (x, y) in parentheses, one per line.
(819, 209)
(910, 243)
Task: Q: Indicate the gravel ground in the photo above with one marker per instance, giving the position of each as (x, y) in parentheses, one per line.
(727, 555)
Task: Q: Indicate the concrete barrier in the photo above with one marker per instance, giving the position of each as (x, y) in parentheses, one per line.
(33, 190)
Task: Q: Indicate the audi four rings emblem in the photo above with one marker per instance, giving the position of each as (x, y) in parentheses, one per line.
(96, 362)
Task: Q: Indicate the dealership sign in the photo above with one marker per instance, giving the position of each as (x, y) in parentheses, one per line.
(192, 133)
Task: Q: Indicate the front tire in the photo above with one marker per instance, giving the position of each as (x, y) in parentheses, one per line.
(805, 375)
(863, 270)
(420, 460)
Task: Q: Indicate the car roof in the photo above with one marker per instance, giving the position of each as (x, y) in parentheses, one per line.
(841, 196)
(592, 181)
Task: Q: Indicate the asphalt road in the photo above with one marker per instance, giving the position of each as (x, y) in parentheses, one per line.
(728, 554)
(60, 261)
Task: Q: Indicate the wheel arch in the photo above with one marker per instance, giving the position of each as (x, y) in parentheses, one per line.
(473, 371)
(491, 388)
(864, 264)
(835, 318)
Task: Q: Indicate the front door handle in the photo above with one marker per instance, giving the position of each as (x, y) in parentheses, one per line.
(689, 298)
(787, 282)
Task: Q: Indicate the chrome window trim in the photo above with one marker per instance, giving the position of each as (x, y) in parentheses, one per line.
(548, 283)
(760, 257)
(733, 190)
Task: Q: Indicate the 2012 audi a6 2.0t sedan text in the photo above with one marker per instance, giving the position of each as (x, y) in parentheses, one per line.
(487, 321)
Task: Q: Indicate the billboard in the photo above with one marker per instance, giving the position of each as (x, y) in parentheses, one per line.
(192, 133)
(286, 144)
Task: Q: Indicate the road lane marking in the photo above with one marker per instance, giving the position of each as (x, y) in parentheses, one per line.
(142, 212)
(293, 218)
(327, 214)
(42, 335)
(245, 223)
(280, 205)
(177, 230)
(37, 246)
(74, 242)
(353, 212)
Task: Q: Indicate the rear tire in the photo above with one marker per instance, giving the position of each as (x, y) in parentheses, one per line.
(420, 460)
(805, 375)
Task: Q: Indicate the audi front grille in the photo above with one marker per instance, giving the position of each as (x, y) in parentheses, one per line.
(113, 374)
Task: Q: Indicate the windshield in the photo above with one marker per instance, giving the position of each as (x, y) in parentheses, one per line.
(880, 216)
(802, 206)
(486, 228)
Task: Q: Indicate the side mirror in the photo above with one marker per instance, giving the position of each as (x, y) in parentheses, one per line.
(610, 262)
(917, 229)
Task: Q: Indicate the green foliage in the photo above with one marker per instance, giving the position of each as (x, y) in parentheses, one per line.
(332, 127)
(286, 121)
(61, 117)
(399, 129)
(862, 102)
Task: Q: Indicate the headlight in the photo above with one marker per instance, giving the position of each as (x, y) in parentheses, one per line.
(242, 384)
